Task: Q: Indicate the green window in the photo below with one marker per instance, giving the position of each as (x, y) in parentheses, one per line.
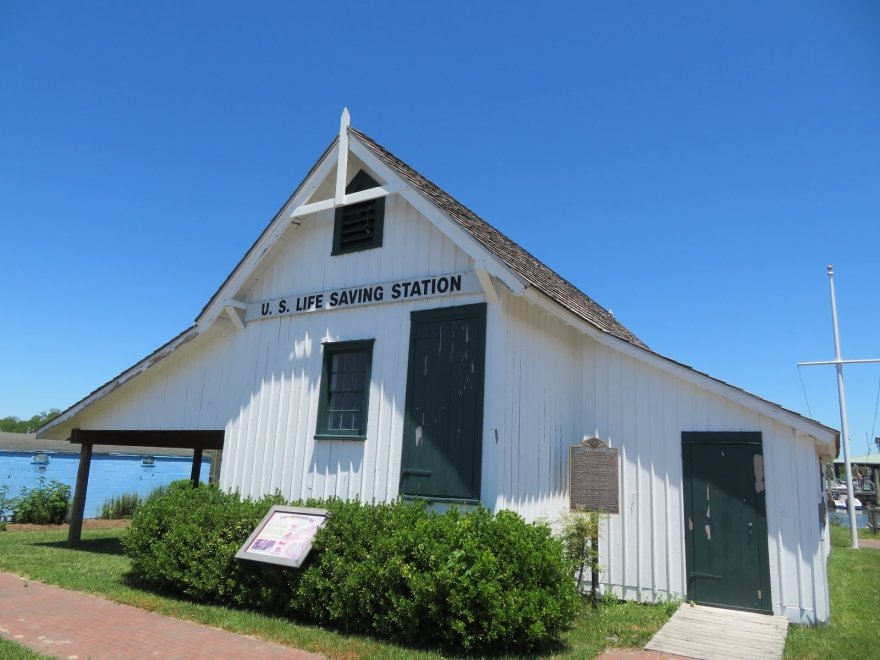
(359, 226)
(345, 390)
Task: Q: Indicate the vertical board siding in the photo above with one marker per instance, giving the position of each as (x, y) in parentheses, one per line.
(261, 384)
(162, 388)
(494, 409)
(547, 387)
(539, 387)
(643, 411)
(277, 423)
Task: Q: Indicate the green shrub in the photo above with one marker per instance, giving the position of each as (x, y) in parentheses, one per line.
(162, 489)
(120, 506)
(7, 506)
(465, 582)
(483, 583)
(176, 485)
(185, 542)
(579, 531)
(43, 505)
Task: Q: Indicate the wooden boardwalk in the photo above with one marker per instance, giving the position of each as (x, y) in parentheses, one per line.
(709, 632)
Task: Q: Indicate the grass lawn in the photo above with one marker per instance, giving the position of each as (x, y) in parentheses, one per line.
(100, 567)
(865, 533)
(12, 651)
(854, 628)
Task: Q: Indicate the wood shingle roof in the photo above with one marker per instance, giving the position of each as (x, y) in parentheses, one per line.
(535, 273)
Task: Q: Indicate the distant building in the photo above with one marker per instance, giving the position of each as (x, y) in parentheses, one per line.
(380, 340)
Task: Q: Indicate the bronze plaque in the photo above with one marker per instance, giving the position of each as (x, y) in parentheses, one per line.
(593, 476)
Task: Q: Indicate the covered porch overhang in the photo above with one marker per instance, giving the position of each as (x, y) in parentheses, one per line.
(198, 441)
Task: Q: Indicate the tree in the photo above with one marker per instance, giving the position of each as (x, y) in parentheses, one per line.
(18, 425)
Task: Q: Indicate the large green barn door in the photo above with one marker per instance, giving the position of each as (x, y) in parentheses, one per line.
(726, 520)
(442, 433)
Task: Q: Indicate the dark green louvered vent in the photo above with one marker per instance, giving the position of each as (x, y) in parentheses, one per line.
(359, 226)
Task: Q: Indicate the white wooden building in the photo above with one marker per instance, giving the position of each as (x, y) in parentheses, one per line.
(380, 340)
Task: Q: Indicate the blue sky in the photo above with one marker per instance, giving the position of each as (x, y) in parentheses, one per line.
(692, 166)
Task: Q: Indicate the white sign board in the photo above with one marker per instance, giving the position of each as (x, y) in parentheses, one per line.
(371, 294)
(284, 536)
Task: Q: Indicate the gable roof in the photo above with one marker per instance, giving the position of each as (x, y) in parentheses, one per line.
(561, 294)
(253, 247)
(519, 260)
(525, 265)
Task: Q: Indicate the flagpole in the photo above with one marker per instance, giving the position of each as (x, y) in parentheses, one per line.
(844, 431)
(838, 363)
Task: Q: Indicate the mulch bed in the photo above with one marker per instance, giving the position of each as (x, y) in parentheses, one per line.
(89, 523)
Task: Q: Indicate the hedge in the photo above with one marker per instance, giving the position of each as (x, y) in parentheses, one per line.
(464, 582)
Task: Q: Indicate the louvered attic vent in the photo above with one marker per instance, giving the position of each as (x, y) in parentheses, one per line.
(359, 226)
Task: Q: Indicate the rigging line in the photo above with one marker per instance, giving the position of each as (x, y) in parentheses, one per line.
(804, 388)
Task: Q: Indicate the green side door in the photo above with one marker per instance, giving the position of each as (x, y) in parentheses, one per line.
(442, 434)
(726, 520)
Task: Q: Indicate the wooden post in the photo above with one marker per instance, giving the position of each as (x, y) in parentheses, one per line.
(216, 458)
(876, 472)
(78, 506)
(594, 563)
(196, 467)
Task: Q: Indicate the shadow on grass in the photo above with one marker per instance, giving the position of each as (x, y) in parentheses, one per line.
(109, 546)
(553, 647)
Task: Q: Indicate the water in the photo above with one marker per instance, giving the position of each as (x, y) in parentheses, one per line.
(843, 517)
(110, 474)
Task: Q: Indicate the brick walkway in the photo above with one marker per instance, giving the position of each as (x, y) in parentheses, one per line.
(77, 626)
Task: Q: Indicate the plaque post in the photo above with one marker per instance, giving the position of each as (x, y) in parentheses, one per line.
(593, 488)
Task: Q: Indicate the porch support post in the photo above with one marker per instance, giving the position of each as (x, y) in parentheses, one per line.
(196, 467)
(216, 457)
(78, 506)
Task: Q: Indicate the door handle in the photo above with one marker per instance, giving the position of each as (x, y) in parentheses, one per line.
(750, 530)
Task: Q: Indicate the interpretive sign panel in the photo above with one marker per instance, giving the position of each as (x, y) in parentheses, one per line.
(593, 476)
(284, 536)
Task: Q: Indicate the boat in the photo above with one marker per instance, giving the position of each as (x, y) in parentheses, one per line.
(838, 497)
(840, 502)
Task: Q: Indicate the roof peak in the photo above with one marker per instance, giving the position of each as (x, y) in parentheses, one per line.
(524, 264)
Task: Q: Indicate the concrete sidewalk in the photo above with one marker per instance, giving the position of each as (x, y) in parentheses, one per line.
(76, 626)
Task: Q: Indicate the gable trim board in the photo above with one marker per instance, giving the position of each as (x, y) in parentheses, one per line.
(557, 367)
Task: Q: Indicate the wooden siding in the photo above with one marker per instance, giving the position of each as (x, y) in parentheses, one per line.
(532, 392)
(301, 261)
(261, 384)
(559, 386)
(272, 437)
(181, 392)
(547, 386)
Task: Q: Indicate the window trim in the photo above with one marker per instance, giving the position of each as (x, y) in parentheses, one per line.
(330, 349)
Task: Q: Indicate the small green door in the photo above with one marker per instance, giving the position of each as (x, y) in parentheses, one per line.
(726, 520)
(442, 432)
